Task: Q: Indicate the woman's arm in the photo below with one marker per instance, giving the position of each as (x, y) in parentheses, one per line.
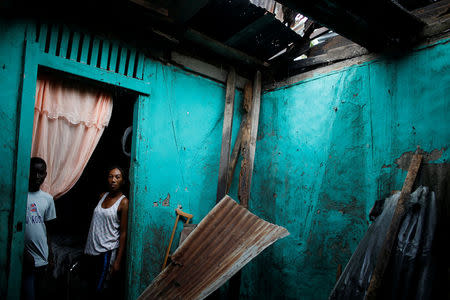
(123, 210)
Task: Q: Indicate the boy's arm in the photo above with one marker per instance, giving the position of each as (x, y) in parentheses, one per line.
(28, 261)
(50, 225)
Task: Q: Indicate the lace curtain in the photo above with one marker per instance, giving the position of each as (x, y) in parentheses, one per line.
(69, 119)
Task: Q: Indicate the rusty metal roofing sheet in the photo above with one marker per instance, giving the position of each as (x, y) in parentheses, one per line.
(268, 5)
(224, 241)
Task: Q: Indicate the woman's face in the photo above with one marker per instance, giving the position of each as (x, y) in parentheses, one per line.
(115, 179)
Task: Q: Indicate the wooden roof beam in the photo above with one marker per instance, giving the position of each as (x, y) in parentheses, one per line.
(222, 49)
(250, 29)
(182, 11)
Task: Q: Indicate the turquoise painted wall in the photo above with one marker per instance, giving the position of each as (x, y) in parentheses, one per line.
(11, 64)
(326, 150)
(178, 153)
(177, 145)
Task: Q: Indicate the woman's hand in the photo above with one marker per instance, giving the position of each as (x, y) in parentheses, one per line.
(115, 267)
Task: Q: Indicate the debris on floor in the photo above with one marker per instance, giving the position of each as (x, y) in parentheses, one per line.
(222, 243)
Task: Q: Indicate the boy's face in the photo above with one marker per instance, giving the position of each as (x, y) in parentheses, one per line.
(38, 172)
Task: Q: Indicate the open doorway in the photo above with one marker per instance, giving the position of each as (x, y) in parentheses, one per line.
(75, 208)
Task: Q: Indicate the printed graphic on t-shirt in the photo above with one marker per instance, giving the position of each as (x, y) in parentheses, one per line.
(34, 217)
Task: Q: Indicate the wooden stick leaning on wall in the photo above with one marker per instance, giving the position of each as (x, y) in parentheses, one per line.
(226, 135)
(386, 250)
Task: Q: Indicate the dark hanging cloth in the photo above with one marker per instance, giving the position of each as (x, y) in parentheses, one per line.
(412, 271)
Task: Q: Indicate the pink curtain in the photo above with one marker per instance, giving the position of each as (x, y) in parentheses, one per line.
(69, 120)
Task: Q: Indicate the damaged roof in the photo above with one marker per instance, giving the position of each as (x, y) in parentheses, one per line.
(245, 26)
(273, 36)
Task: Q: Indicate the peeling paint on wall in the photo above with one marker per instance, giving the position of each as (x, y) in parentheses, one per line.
(404, 160)
(166, 201)
(329, 148)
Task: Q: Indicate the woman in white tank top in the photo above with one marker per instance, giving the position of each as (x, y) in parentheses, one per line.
(106, 240)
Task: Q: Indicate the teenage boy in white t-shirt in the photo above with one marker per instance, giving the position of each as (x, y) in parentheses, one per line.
(40, 210)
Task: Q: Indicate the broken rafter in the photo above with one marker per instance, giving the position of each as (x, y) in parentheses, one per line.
(376, 25)
(296, 49)
(437, 18)
(332, 56)
(329, 44)
(318, 32)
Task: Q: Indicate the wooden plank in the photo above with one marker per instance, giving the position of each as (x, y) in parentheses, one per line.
(248, 97)
(318, 32)
(298, 48)
(113, 59)
(235, 281)
(53, 39)
(140, 138)
(75, 45)
(235, 153)
(336, 54)
(432, 11)
(319, 72)
(64, 41)
(222, 49)
(93, 73)
(249, 143)
(386, 250)
(130, 69)
(243, 134)
(43, 36)
(330, 44)
(152, 6)
(140, 66)
(182, 11)
(22, 167)
(250, 30)
(123, 60)
(205, 69)
(105, 54)
(437, 28)
(85, 48)
(226, 135)
(95, 49)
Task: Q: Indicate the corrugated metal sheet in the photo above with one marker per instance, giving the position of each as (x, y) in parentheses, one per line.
(224, 241)
(268, 5)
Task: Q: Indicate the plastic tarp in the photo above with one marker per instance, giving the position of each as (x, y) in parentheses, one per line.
(412, 269)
